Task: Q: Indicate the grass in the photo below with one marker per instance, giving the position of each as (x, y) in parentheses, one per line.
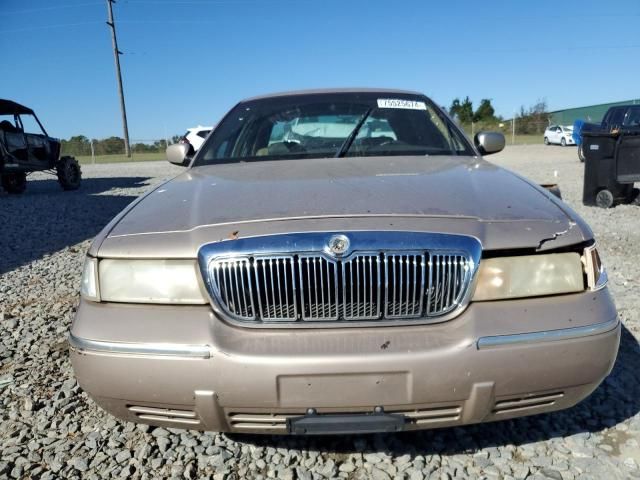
(135, 157)
(519, 139)
(525, 140)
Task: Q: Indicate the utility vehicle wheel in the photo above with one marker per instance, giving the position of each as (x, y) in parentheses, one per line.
(581, 153)
(546, 141)
(604, 199)
(563, 142)
(69, 173)
(14, 183)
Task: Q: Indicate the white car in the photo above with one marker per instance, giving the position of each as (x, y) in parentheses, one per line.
(195, 136)
(559, 135)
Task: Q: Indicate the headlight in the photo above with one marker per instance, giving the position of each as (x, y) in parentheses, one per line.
(150, 281)
(529, 276)
(89, 283)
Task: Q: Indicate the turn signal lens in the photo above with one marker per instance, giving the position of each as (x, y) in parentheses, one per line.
(596, 273)
(89, 282)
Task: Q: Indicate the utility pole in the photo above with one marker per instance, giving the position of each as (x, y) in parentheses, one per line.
(116, 56)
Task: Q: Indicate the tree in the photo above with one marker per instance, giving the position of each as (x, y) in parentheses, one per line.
(454, 109)
(78, 145)
(485, 112)
(534, 119)
(111, 146)
(462, 110)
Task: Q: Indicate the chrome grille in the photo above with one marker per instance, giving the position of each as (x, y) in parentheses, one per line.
(319, 288)
(275, 288)
(363, 286)
(361, 280)
(233, 286)
(448, 276)
(405, 286)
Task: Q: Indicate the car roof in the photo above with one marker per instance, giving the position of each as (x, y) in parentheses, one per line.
(9, 107)
(328, 91)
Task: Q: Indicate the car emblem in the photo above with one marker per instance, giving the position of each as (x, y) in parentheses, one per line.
(338, 245)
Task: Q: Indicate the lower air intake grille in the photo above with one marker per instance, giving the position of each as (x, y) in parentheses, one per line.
(527, 403)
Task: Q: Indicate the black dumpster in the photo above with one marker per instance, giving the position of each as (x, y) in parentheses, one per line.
(612, 165)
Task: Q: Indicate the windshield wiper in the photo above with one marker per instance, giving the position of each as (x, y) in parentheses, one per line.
(352, 136)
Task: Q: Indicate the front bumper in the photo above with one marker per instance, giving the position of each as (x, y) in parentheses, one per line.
(183, 367)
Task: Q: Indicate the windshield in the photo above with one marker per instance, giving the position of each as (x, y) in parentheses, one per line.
(632, 118)
(332, 125)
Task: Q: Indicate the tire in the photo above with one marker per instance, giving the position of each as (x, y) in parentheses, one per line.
(604, 199)
(69, 173)
(580, 153)
(546, 141)
(14, 183)
(563, 142)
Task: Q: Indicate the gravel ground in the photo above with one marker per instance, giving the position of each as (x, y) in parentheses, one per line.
(51, 429)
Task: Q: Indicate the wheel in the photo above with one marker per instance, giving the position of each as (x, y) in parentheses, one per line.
(563, 142)
(546, 141)
(14, 183)
(580, 153)
(69, 173)
(604, 199)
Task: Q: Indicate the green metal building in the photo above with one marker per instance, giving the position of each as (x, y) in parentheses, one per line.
(591, 114)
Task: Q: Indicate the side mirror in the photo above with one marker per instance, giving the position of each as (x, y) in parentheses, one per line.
(178, 154)
(489, 142)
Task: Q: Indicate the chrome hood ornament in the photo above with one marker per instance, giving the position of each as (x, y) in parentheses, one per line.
(338, 245)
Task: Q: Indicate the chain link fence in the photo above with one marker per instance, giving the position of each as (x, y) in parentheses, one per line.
(518, 131)
(526, 130)
(111, 149)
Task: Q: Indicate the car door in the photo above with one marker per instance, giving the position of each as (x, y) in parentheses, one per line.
(39, 153)
(559, 134)
(14, 140)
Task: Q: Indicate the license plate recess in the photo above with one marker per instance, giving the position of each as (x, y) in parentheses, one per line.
(333, 424)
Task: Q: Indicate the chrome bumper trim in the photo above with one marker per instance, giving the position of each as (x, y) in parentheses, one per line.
(143, 349)
(548, 335)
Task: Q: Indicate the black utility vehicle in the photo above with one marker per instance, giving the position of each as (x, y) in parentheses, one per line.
(617, 119)
(22, 153)
(622, 117)
(611, 152)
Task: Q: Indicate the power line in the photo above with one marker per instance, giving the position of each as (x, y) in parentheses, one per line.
(45, 9)
(211, 2)
(45, 27)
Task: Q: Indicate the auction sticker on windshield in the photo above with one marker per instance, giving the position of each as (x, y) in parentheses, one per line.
(399, 103)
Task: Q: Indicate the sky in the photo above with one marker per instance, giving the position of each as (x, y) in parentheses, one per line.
(186, 62)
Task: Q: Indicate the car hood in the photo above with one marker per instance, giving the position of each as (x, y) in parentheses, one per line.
(460, 194)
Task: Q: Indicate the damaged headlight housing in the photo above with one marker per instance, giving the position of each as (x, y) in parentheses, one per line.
(142, 281)
(524, 276)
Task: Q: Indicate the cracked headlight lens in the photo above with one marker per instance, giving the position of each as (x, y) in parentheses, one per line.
(150, 281)
(529, 276)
